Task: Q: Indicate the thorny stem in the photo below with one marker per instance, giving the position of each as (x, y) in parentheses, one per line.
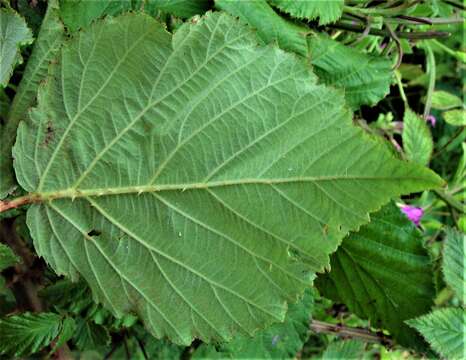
(345, 331)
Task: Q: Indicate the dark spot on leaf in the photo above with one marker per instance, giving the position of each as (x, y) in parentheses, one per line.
(94, 232)
(49, 134)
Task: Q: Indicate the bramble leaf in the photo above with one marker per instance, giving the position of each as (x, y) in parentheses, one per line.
(326, 11)
(365, 78)
(164, 167)
(45, 49)
(14, 33)
(383, 273)
(417, 139)
(25, 334)
(454, 260)
(445, 330)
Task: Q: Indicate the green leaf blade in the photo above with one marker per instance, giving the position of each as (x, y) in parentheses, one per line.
(326, 11)
(365, 78)
(445, 330)
(14, 33)
(454, 260)
(220, 167)
(28, 333)
(7, 257)
(417, 139)
(383, 273)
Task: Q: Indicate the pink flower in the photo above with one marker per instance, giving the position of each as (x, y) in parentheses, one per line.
(413, 213)
(431, 119)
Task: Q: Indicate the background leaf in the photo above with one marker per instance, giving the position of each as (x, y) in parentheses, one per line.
(417, 139)
(28, 333)
(270, 26)
(344, 350)
(126, 119)
(365, 78)
(45, 49)
(454, 261)
(326, 11)
(455, 117)
(280, 341)
(444, 329)
(383, 273)
(14, 33)
(443, 100)
(7, 257)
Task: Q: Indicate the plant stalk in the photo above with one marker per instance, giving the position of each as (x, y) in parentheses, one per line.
(345, 331)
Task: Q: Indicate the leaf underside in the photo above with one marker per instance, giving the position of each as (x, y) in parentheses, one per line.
(383, 273)
(211, 177)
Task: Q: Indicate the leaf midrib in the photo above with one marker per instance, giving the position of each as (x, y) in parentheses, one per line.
(73, 193)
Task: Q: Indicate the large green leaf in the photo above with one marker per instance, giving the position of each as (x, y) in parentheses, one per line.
(417, 139)
(383, 273)
(45, 49)
(270, 26)
(164, 169)
(454, 260)
(14, 33)
(445, 331)
(28, 333)
(327, 11)
(280, 341)
(365, 78)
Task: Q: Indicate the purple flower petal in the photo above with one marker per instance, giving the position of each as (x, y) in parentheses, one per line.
(431, 119)
(413, 213)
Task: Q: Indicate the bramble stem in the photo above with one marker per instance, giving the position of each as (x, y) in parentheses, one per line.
(345, 331)
(15, 203)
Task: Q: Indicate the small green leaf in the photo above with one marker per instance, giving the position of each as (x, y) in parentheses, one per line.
(454, 260)
(216, 150)
(7, 257)
(326, 11)
(417, 139)
(455, 117)
(90, 336)
(445, 330)
(383, 273)
(344, 350)
(14, 33)
(45, 49)
(442, 100)
(365, 78)
(26, 334)
(270, 26)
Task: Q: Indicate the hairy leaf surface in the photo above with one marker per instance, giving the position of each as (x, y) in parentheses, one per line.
(14, 33)
(365, 78)
(198, 180)
(445, 331)
(383, 273)
(326, 10)
(344, 350)
(45, 49)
